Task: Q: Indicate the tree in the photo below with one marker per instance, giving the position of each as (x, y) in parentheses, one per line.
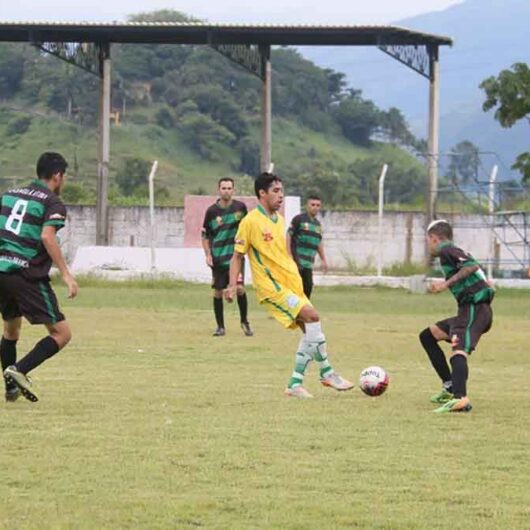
(464, 164)
(132, 176)
(509, 93)
(358, 118)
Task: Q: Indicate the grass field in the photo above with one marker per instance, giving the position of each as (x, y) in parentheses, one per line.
(146, 421)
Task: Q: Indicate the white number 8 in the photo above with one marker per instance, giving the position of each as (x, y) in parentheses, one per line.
(15, 220)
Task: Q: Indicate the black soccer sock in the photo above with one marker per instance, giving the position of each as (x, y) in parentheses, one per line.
(8, 355)
(242, 303)
(436, 356)
(44, 349)
(460, 374)
(218, 310)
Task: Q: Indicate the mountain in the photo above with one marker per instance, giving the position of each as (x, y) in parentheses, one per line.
(489, 35)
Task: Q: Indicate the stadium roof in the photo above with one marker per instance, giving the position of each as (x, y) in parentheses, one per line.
(203, 33)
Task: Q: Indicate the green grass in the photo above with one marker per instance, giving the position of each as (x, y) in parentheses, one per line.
(146, 421)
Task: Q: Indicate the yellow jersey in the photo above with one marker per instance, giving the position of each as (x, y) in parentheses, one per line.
(262, 238)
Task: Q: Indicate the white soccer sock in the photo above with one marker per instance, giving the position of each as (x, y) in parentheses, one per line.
(315, 344)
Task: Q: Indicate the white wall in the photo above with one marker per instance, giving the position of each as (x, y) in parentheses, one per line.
(350, 237)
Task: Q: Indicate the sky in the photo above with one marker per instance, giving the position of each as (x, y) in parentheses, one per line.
(273, 11)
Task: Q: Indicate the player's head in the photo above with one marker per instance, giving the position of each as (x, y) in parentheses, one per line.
(269, 191)
(313, 205)
(437, 232)
(225, 188)
(51, 167)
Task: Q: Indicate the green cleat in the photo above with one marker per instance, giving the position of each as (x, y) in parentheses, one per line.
(455, 405)
(442, 397)
(22, 381)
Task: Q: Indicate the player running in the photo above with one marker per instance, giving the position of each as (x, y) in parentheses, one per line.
(467, 282)
(278, 285)
(29, 219)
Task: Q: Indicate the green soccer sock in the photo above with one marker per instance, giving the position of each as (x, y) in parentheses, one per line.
(302, 359)
(321, 356)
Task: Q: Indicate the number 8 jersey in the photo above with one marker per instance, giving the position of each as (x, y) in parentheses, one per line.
(23, 214)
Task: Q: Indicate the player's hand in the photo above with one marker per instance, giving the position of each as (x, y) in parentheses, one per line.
(209, 261)
(71, 285)
(229, 294)
(325, 267)
(437, 287)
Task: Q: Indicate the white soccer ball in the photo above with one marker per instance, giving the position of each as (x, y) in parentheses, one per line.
(373, 381)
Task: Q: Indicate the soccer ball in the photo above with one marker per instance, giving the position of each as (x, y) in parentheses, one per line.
(373, 381)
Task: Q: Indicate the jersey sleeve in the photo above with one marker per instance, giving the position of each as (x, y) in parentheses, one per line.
(242, 239)
(293, 227)
(456, 257)
(55, 214)
(205, 230)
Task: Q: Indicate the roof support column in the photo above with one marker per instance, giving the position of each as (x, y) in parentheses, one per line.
(433, 140)
(102, 232)
(434, 132)
(266, 108)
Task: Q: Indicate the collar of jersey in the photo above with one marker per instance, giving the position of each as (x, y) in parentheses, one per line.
(218, 202)
(273, 217)
(38, 182)
(444, 244)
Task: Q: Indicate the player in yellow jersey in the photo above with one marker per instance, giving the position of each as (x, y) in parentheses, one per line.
(261, 235)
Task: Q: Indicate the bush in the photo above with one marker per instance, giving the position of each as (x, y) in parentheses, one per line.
(18, 125)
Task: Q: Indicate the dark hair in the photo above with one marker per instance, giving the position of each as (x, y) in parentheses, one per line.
(264, 182)
(225, 179)
(441, 228)
(314, 197)
(49, 164)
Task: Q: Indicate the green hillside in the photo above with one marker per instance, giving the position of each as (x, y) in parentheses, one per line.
(198, 115)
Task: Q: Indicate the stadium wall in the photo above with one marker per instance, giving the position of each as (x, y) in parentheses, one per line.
(350, 237)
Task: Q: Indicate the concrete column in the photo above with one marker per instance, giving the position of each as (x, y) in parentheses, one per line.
(433, 140)
(102, 232)
(266, 108)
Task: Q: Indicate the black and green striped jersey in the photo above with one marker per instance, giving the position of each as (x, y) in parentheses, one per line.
(24, 212)
(471, 290)
(306, 235)
(220, 227)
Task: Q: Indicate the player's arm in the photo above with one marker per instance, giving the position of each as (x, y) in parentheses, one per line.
(463, 262)
(207, 251)
(49, 240)
(288, 241)
(290, 234)
(236, 264)
(322, 255)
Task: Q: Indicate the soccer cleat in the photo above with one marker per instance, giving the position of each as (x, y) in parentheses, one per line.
(247, 330)
(219, 332)
(337, 382)
(297, 391)
(23, 382)
(455, 405)
(442, 397)
(12, 394)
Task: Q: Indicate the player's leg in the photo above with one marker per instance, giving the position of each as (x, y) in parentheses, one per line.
(8, 353)
(472, 322)
(242, 304)
(314, 344)
(307, 280)
(429, 339)
(219, 282)
(38, 304)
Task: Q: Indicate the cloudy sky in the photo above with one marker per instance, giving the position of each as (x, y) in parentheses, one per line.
(272, 11)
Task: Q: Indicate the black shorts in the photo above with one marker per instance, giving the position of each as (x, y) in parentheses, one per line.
(221, 277)
(34, 300)
(466, 328)
(307, 280)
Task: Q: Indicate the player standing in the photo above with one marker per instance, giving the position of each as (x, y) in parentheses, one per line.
(219, 228)
(278, 285)
(468, 284)
(29, 219)
(304, 241)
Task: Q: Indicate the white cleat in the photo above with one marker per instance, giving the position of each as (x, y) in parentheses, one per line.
(337, 382)
(297, 391)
